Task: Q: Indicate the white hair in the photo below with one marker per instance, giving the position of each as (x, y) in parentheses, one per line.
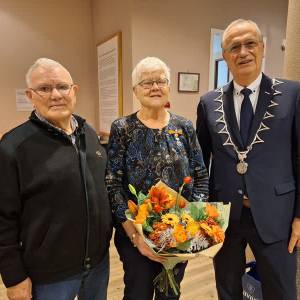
(149, 64)
(241, 21)
(44, 63)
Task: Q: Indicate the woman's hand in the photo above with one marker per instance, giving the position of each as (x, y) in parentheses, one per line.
(138, 241)
(144, 249)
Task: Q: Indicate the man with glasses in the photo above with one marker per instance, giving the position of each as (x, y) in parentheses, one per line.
(55, 219)
(249, 131)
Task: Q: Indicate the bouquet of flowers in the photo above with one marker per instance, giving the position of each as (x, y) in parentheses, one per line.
(177, 229)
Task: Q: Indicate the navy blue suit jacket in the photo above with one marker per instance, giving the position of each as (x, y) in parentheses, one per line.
(273, 163)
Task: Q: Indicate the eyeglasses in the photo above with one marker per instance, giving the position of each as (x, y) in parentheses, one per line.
(236, 48)
(46, 90)
(147, 84)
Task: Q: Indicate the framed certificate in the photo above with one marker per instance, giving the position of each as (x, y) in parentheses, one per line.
(109, 54)
(188, 82)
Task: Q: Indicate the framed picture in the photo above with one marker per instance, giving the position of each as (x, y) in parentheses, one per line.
(109, 55)
(188, 82)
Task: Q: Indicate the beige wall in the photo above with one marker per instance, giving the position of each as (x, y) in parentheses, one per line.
(176, 31)
(109, 17)
(58, 29)
(179, 33)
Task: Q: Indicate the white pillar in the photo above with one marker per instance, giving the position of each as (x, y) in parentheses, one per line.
(292, 67)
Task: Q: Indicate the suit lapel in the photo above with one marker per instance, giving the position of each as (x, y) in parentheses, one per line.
(230, 115)
(264, 98)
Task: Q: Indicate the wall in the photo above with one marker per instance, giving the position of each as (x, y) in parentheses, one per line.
(109, 17)
(179, 33)
(174, 30)
(58, 29)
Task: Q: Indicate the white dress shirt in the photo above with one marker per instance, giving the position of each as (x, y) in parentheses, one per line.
(238, 96)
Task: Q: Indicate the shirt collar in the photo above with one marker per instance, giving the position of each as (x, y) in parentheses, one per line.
(253, 86)
(74, 123)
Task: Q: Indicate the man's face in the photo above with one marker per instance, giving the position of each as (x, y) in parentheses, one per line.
(52, 93)
(243, 51)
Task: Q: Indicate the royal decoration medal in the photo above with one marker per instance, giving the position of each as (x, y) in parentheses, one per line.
(242, 166)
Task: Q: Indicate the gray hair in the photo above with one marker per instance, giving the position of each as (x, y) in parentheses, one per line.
(241, 21)
(44, 63)
(149, 64)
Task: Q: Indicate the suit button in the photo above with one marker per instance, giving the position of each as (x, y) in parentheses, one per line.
(240, 192)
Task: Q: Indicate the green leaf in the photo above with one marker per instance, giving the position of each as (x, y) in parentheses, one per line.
(220, 221)
(202, 215)
(184, 246)
(141, 198)
(132, 189)
(129, 215)
(194, 211)
(147, 227)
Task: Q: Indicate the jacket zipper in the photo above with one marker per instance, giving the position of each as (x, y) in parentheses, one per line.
(82, 160)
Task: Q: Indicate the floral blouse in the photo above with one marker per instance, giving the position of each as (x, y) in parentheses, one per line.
(142, 156)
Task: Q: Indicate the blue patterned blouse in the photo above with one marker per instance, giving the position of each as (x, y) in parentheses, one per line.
(142, 156)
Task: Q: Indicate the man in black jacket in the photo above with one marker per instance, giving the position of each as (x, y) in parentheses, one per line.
(55, 220)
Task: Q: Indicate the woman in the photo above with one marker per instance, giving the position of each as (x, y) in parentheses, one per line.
(145, 147)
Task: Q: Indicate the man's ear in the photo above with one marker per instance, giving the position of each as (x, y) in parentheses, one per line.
(28, 94)
(134, 90)
(223, 54)
(75, 88)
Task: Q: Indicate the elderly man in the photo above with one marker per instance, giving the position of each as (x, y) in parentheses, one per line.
(249, 131)
(55, 220)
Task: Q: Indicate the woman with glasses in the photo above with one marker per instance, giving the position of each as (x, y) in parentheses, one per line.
(145, 147)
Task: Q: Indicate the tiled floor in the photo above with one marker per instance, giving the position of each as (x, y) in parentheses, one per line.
(198, 283)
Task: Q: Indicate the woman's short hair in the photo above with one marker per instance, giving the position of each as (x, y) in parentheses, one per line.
(149, 64)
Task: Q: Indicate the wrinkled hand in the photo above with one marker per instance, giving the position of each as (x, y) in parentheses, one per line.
(145, 250)
(295, 236)
(20, 291)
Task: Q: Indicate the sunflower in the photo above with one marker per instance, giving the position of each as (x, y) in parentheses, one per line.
(186, 218)
(171, 219)
(192, 228)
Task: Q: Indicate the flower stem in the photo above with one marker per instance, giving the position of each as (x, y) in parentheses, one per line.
(178, 198)
(172, 282)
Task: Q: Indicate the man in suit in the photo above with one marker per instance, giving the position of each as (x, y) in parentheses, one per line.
(249, 131)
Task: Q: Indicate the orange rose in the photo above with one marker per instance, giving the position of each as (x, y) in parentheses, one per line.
(187, 179)
(217, 234)
(211, 211)
(180, 233)
(182, 203)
